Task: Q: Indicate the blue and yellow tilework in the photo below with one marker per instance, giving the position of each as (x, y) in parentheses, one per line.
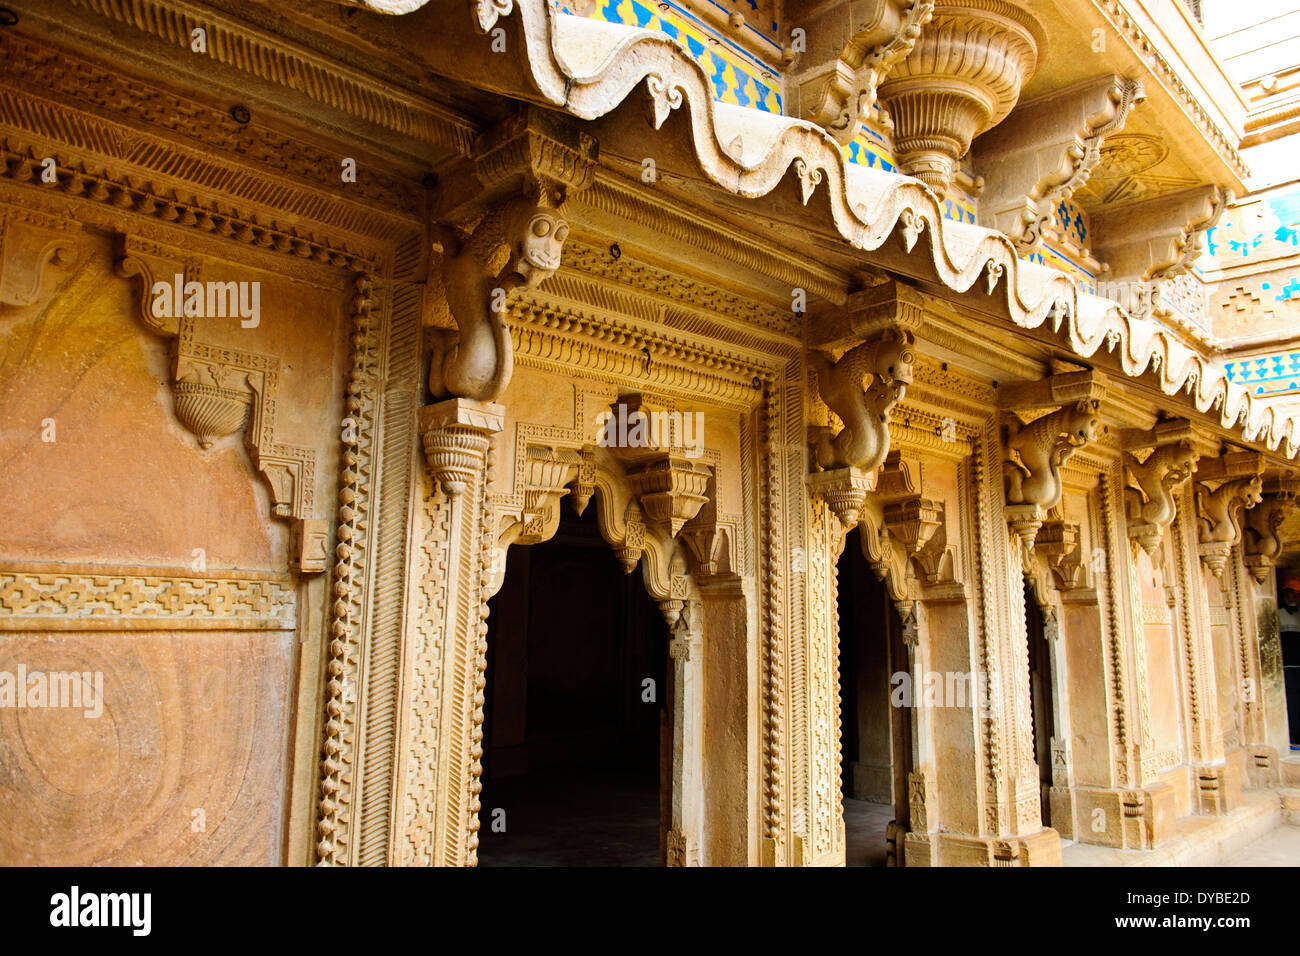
(1073, 222)
(738, 77)
(1047, 256)
(1267, 228)
(1266, 375)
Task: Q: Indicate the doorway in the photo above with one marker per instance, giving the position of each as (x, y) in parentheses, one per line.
(577, 710)
(875, 710)
(1041, 704)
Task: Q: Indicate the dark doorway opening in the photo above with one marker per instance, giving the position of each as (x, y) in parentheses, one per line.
(576, 714)
(875, 711)
(1040, 698)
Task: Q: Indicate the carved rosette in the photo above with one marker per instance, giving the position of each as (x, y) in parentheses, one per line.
(457, 434)
(962, 77)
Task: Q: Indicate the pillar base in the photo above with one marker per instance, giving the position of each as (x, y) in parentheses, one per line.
(1218, 788)
(1262, 768)
(1123, 819)
(952, 849)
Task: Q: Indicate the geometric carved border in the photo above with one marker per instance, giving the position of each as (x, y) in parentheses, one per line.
(61, 597)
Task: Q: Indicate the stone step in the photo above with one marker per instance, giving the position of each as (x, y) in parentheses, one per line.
(1290, 805)
(1199, 840)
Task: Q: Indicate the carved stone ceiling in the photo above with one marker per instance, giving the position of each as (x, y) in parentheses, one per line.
(1162, 149)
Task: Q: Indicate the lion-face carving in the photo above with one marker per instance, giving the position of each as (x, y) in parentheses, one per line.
(1080, 425)
(536, 243)
(896, 357)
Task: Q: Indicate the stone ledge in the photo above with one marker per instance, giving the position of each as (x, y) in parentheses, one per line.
(1197, 841)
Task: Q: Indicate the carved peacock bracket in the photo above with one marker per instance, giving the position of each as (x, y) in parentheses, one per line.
(863, 359)
(1261, 543)
(1037, 450)
(1153, 481)
(1224, 486)
(500, 228)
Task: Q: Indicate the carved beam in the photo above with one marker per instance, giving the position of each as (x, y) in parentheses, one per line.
(501, 228)
(1224, 486)
(962, 77)
(851, 47)
(1035, 452)
(1156, 239)
(1153, 480)
(1044, 152)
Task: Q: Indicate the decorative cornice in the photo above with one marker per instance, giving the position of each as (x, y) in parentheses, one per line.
(273, 57)
(1128, 28)
(868, 208)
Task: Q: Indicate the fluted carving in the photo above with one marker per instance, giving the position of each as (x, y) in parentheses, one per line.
(962, 77)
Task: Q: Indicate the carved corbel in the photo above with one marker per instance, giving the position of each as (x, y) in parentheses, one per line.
(1156, 239)
(1060, 545)
(707, 542)
(1224, 486)
(547, 474)
(1153, 481)
(851, 47)
(668, 480)
(629, 552)
(1036, 451)
(31, 246)
(501, 228)
(309, 551)
(861, 385)
(962, 77)
(913, 520)
(457, 434)
(1044, 152)
(1261, 543)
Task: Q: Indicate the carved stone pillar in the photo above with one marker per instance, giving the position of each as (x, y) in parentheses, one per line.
(1224, 485)
(440, 727)
(962, 77)
(685, 649)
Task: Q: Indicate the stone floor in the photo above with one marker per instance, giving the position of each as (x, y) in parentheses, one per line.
(1278, 847)
(571, 818)
(864, 832)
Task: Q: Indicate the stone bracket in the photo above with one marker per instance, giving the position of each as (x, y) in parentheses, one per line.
(1046, 150)
(1152, 482)
(1158, 238)
(1225, 485)
(851, 49)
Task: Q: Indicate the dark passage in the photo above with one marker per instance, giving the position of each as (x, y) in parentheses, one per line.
(1040, 697)
(571, 773)
(875, 742)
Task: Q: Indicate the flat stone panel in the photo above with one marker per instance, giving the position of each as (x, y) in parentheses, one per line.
(184, 763)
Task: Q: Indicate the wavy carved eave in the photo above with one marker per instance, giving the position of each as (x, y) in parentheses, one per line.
(749, 153)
